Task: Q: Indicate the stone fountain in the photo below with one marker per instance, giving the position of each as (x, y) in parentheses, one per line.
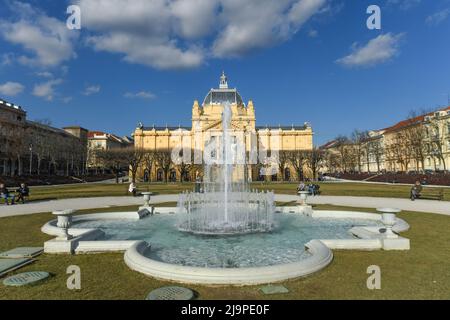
(227, 205)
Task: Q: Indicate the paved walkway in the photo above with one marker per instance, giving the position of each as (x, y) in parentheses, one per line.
(430, 206)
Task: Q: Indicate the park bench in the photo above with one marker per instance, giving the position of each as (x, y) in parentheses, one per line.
(11, 198)
(432, 194)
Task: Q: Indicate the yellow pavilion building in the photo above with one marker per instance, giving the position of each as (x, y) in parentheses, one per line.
(160, 142)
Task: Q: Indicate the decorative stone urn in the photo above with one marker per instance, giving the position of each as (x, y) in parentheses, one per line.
(147, 196)
(64, 222)
(303, 196)
(389, 220)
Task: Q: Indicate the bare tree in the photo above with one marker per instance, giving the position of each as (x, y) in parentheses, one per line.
(148, 162)
(283, 160)
(163, 159)
(415, 134)
(401, 150)
(134, 158)
(112, 159)
(375, 151)
(314, 161)
(358, 140)
(342, 143)
(297, 159)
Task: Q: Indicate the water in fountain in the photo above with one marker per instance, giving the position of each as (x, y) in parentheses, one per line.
(227, 205)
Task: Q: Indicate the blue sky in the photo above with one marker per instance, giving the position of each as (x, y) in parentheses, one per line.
(299, 60)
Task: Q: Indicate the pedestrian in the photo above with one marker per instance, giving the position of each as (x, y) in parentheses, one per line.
(23, 192)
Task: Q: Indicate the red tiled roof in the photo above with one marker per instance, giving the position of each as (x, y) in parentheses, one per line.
(92, 134)
(408, 122)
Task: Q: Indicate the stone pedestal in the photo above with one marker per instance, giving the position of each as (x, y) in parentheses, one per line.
(389, 220)
(146, 209)
(303, 197)
(64, 222)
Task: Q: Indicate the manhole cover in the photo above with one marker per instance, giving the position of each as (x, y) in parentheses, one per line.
(171, 293)
(274, 289)
(26, 278)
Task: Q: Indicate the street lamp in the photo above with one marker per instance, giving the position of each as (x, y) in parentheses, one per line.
(31, 158)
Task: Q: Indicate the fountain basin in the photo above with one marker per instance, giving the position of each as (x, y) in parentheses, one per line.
(297, 246)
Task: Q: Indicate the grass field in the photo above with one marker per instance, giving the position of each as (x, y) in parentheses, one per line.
(421, 273)
(335, 189)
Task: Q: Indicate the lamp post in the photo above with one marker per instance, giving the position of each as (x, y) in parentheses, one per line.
(31, 158)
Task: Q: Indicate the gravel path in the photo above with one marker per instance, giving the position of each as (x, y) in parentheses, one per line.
(430, 206)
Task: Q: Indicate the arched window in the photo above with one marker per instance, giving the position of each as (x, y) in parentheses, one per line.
(173, 175)
(160, 175)
(287, 174)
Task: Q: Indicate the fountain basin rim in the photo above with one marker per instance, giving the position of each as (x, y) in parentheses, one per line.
(321, 256)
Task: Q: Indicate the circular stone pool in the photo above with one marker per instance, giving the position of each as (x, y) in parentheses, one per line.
(284, 244)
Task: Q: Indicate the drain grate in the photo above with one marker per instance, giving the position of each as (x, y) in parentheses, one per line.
(26, 278)
(171, 293)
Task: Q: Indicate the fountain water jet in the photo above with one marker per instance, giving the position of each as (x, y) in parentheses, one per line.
(227, 206)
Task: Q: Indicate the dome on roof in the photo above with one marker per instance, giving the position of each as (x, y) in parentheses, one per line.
(223, 94)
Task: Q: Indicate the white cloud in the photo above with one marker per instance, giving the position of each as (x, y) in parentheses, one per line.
(438, 17)
(376, 51)
(403, 4)
(66, 100)
(313, 33)
(46, 39)
(142, 95)
(11, 89)
(163, 34)
(177, 34)
(6, 59)
(44, 74)
(46, 90)
(257, 24)
(92, 90)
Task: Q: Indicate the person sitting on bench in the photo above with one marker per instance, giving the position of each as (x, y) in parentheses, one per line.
(4, 194)
(22, 192)
(416, 190)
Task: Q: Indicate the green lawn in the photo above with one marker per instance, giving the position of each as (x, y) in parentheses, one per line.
(335, 189)
(421, 273)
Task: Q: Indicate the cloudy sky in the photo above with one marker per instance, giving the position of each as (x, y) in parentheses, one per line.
(299, 60)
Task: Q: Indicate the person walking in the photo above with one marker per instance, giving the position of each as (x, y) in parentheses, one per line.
(22, 192)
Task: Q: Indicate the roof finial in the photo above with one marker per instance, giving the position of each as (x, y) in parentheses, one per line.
(223, 81)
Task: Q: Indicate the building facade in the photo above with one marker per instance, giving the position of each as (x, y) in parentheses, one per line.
(28, 147)
(97, 140)
(420, 143)
(207, 127)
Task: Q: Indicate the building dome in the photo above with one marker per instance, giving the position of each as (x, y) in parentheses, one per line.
(223, 94)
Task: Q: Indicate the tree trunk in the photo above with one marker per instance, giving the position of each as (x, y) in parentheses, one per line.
(19, 165)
